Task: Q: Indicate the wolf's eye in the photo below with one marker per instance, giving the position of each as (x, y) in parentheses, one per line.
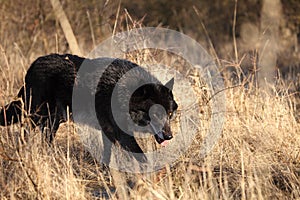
(172, 114)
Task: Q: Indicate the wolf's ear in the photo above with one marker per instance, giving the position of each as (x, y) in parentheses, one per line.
(170, 84)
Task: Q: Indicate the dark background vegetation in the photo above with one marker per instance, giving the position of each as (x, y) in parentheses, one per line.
(31, 26)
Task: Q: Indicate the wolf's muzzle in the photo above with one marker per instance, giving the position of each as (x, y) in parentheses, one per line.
(161, 135)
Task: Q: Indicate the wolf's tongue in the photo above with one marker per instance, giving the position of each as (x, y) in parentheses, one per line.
(164, 143)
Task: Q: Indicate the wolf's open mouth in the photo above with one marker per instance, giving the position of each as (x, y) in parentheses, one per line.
(159, 136)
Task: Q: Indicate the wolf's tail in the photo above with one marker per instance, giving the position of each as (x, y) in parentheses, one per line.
(11, 113)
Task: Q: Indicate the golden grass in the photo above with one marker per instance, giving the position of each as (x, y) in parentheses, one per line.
(257, 157)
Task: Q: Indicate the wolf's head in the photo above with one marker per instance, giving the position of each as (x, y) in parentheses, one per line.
(154, 105)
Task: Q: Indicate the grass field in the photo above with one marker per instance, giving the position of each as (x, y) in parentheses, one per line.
(256, 157)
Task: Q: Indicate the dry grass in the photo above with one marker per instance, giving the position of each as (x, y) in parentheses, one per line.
(257, 157)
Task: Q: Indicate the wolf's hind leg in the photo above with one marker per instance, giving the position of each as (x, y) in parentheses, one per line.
(49, 128)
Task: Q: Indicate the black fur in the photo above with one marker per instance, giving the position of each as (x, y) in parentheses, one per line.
(48, 92)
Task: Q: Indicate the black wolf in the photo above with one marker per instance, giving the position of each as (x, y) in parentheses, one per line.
(48, 90)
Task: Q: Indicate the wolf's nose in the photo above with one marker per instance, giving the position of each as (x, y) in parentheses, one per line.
(175, 106)
(168, 137)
